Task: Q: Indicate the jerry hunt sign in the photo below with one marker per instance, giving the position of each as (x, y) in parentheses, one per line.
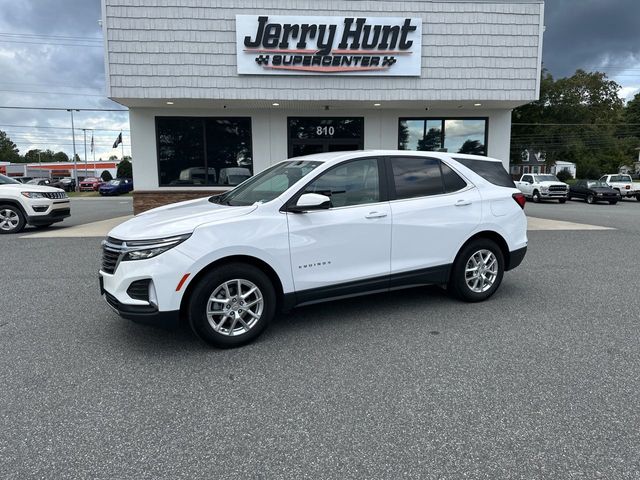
(292, 45)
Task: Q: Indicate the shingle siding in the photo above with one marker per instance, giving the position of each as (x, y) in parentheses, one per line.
(186, 49)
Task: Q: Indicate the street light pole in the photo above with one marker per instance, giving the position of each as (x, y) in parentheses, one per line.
(86, 166)
(73, 135)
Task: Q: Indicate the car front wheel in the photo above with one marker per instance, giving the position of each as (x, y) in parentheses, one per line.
(477, 271)
(590, 199)
(11, 219)
(232, 305)
(535, 197)
(562, 200)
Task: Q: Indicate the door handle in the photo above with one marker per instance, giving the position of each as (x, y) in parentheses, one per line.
(375, 215)
(462, 203)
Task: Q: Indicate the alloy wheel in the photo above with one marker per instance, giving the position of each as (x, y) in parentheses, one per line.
(235, 307)
(9, 220)
(481, 271)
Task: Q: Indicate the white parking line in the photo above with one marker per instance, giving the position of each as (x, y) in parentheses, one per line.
(94, 229)
(536, 224)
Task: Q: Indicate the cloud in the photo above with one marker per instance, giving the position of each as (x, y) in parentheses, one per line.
(592, 35)
(63, 67)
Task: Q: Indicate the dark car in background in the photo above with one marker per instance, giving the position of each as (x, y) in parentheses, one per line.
(593, 191)
(67, 184)
(22, 179)
(116, 186)
(90, 184)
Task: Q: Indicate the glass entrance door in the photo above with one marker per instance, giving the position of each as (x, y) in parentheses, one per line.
(308, 135)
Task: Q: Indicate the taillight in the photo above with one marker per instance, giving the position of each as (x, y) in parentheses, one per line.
(520, 199)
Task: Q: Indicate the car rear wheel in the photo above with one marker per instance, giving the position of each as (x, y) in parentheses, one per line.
(477, 271)
(11, 219)
(232, 305)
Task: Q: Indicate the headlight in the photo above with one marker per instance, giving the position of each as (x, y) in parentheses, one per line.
(33, 195)
(143, 249)
(544, 189)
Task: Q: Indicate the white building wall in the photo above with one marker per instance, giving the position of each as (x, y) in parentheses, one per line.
(185, 49)
(270, 140)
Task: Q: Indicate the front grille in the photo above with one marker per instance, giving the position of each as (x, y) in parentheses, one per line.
(54, 195)
(139, 290)
(557, 188)
(111, 252)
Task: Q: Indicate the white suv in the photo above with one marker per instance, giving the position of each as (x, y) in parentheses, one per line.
(22, 204)
(316, 228)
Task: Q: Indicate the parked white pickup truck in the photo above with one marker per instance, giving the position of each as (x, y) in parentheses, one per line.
(539, 187)
(623, 184)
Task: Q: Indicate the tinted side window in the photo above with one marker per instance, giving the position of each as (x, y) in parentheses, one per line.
(527, 178)
(452, 181)
(492, 172)
(416, 177)
(353, 183)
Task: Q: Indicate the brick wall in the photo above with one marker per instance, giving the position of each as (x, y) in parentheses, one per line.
(146, 200)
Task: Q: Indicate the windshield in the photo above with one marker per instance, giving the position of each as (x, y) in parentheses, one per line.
(267, 185)
(546, 178)
(114, 182)
(6, 180)
(597, 183)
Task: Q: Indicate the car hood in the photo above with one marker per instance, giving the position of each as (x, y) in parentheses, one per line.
(176, 219)
(31, 188)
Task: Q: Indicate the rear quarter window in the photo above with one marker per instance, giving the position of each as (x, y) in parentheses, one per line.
(492, 172)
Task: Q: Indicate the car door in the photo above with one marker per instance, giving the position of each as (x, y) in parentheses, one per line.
(344, 249)
(577, 190)
(526, 185)
(434, 211)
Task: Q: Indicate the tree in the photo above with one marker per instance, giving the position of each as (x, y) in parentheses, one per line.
(106, 176)
(125, 169)
(564, 175)
(113, 158)
(60, 157)
(576, 119)
(32, 156)
(472, 147)
(8, 150)
(431, 142)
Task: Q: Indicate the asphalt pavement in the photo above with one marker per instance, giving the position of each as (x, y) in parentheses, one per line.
(541, 381)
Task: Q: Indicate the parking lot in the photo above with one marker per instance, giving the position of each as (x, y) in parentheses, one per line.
(541, 381)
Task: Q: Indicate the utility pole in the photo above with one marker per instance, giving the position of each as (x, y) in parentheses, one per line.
(73, 134)
(86, 166)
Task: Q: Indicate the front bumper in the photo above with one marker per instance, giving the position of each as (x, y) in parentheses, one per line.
(554, 194)
(145, 314)
(56, 213)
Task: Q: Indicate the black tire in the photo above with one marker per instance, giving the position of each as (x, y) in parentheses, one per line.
(590, 199)
(206, 287)
(458, 282)
(638, 197)
(11, 219)
(613, 202)
(535, 196)
(562, 200)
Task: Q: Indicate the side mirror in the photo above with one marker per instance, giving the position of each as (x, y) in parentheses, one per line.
(311, 201)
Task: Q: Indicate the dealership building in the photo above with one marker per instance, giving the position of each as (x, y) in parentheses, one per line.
(220, 90)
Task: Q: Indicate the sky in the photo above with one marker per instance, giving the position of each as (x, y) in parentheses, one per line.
(51, 55)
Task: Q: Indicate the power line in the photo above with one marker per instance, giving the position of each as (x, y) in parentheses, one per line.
(65, 109)
(17, 34)
(51, 43)
(66, 128)
(55, 93)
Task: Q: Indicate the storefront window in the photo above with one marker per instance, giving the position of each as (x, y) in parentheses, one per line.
(309, 135)
(455, 135)
(199, 151)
